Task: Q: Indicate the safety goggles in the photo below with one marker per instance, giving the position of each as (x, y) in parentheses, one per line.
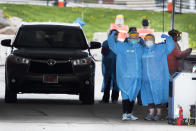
(148, 37)
(133, 36)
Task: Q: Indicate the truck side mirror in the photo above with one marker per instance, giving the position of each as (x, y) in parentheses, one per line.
(6, 42)
(95, 45)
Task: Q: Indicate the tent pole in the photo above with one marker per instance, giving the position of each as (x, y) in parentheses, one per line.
(173, 14)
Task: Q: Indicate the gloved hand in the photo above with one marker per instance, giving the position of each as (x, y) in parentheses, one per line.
(164, 36)
(114, 31)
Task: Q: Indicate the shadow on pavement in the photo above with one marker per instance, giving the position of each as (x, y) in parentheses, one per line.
(66, 111)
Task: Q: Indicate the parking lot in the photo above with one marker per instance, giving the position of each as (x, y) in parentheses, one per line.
(51, 112)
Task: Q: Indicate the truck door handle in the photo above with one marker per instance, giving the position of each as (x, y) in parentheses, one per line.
(194, 78)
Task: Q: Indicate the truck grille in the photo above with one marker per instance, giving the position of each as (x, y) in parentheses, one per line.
(44, 68)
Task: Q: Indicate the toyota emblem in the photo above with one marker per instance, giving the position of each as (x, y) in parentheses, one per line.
(51, 62)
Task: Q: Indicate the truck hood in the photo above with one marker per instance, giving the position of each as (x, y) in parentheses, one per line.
(60, 54)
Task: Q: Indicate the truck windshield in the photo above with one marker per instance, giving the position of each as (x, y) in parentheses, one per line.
(50, 36)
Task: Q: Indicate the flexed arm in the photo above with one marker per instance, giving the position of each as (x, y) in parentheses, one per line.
(112, 43)
(170, 45)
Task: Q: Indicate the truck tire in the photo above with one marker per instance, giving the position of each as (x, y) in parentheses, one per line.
(87, 96)
(10, 95)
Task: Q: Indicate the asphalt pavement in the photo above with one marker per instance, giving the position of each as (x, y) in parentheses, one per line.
(51, 112)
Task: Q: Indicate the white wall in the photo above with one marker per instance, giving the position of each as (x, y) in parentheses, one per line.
(4, 51)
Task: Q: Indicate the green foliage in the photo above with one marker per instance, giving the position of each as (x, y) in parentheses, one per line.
(90, 1)
(98, 20)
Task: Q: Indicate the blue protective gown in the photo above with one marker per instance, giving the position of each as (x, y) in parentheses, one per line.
(128, 66)
(108, 67)
(155, 82)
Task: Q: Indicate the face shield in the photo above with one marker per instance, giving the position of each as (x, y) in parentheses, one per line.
(119, 20)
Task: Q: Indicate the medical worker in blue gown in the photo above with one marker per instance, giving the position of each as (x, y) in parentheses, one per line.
(155, 82)
(128, 70)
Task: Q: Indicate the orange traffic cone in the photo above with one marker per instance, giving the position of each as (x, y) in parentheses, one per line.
(60, 3)
(170, 6)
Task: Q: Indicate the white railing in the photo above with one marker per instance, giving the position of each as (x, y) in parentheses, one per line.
(186, 4)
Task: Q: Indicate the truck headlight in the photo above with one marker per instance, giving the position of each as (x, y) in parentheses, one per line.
(22, 60)
(84, 61)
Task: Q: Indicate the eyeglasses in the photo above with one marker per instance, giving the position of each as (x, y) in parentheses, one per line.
(178, 33)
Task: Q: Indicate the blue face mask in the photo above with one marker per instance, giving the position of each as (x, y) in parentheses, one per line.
(133, 41)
